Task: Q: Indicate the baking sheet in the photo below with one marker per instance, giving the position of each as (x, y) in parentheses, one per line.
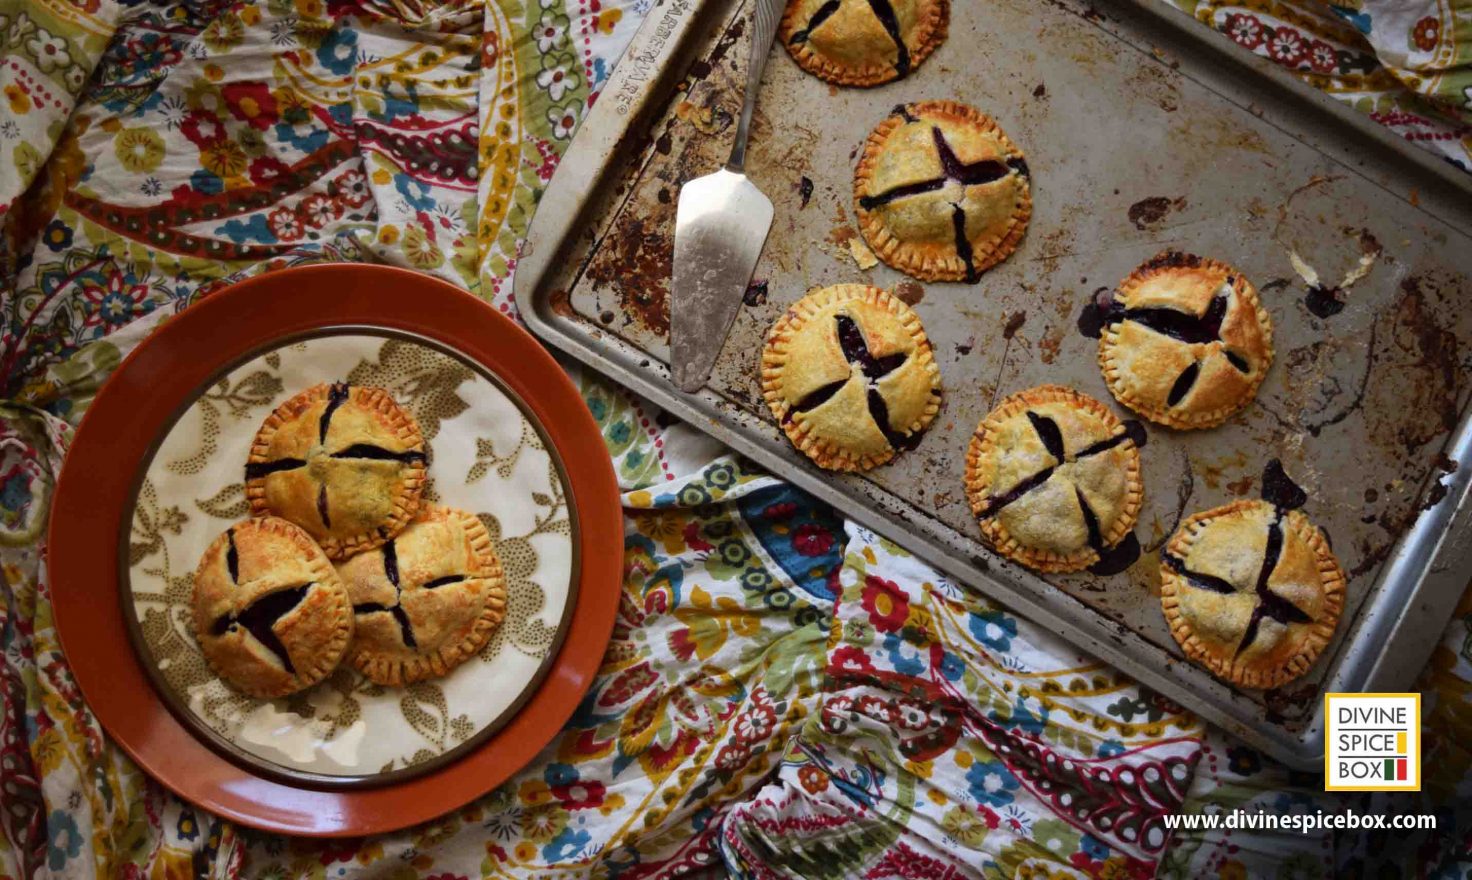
(1144, 131)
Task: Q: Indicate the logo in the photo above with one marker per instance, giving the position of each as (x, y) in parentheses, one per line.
(1372, 742)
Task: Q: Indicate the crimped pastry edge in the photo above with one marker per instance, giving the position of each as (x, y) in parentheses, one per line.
(1318, 635)
(406, 504)
(395, 672)
(908, 258)
(825, 453)
(1173, 261)
(978, 487)
(324, 575)
(929, 34)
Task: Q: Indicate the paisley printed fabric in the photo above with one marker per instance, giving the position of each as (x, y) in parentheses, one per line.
(785, 695)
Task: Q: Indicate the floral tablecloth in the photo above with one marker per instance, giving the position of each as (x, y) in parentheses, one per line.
(785, 695)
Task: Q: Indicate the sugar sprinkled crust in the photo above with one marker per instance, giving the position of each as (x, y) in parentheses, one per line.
(804, 355)
(1044, 527)
(917, 231)
(1209, 574)
(852, 47)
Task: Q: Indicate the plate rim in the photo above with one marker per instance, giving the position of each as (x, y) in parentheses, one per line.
(91, 497)
(255, 763)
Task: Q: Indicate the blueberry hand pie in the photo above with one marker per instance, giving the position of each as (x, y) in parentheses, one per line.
(942, 194)
(1251, 591)
(1054, 478)
(270, 614)
(426, 600)
(344, 462)
(850, 376)
(863, 42)
(1186, 342)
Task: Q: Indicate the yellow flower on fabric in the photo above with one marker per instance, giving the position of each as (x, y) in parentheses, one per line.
(535, 792)
(309, 8)
(607, 19)
(665, 526)
(1232, 869)
(541, 824)
(223, 33)
(224, 158)
(250, 15)
(19, 101)
(525, 852)
(388, 234)
(214, 72)
(421, 252)
(140, 150)
(965, 825)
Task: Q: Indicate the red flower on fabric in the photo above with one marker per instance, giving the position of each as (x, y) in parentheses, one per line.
(850, 659)
(252, 103)
(285, 224)
(352, 188)
(338, 852)
(887, 604)
(267, 169)
(319, 210)
(1246, 30)
(732, 756)
(1288, 47)
(813, 779)
(781, 510)
(1322, 57)
(755, 724)
(580, 795)
(1427, 33)
(657, 602)
(880, 710)
(202, 128)
(681, 645)
(693, 539)
(812, 540)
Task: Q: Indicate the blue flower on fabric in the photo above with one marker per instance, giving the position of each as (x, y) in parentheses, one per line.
(566, 845)
(206, 182)
(904, 656)
(951, 666)
(15, 495)
(58, 236)
(188, 827)
(304, 135)
(339, 50)
(1096, 850)
(993, 629)
(1110, 747)
(991, 783)
(560, 774)
(418, 195)
(65, 841)
(254, 229)
(1024, 718)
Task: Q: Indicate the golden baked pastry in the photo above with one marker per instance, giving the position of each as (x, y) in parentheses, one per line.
(1186, 342)
(850, 376)
(942, 194)
(1054, 478)
(863, 42)
(426, 600)
(270, 614)
(1251, 591)
(344, 462)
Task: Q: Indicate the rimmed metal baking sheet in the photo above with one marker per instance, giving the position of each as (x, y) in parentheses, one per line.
(1144, 131)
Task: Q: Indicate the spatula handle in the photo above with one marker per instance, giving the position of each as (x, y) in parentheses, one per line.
(764, 29)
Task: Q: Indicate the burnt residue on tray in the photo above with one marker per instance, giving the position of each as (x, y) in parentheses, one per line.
(636, 263)
(756, 293)
(804, 191)
(1148, 212)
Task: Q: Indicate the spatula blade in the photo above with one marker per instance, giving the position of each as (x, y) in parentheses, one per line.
(721, 222)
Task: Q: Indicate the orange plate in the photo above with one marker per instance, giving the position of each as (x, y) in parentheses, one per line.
(142, 397)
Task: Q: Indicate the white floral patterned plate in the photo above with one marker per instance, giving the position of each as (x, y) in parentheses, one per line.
(487, 456)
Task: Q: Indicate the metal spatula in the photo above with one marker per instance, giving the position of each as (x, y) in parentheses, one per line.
(720, 225)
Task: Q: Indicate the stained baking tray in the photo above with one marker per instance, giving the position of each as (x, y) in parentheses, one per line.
(1144, 131)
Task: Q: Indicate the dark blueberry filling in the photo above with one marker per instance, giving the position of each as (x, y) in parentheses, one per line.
(337, 395)
(997, 502)
(322, 506)
(963, 244)
(391, 563)
(984, 171)
(232, 557)
(824, 12)
(378, 453)
(257, 469)
(885, 13)
(1184, 382)
(260, 617)
(1279, 490)
(900, 192)
(444, 581)
(1048, 433)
